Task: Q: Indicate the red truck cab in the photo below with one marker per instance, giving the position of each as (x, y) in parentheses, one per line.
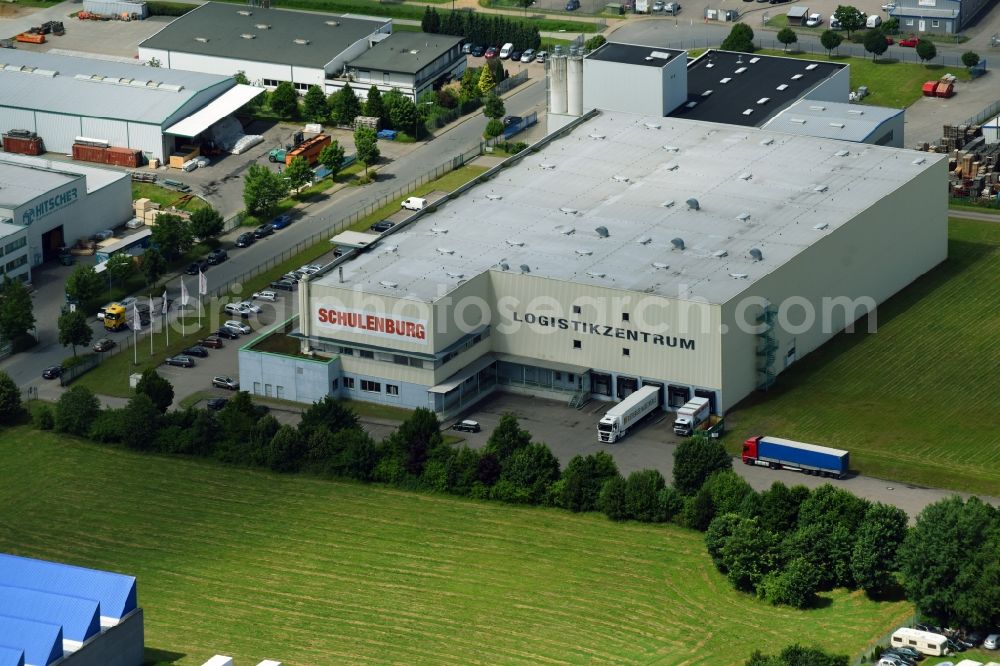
(750, 450)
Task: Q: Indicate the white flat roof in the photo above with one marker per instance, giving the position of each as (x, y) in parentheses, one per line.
(632, 175)
(8, 229)
(19, 185)
(215, 111)
(833, 120)
(41, 174)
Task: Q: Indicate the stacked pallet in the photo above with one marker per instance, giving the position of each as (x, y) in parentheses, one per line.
(973, 164)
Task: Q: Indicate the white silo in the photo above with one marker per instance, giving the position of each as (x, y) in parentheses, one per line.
(574, 83)
(557, 82)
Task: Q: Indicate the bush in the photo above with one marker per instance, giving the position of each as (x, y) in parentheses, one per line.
(698, 511)
(669, 504)
(696, 459)
(158, 389)
(160, 8)
(76, 410)
(107, 428)
(11, 410)
(642, 494)
(43, 418)
(583, 479)
(612, 499)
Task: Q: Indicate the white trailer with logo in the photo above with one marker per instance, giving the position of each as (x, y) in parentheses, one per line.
(615, 424)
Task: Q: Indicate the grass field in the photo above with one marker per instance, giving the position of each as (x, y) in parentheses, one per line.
(916, 401)
(166, 197)
(313, 573)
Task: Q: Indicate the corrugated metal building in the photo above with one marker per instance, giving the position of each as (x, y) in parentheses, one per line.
(131, 106)
(841, 120)
(76, 616)
(55, 204)
(628, 250)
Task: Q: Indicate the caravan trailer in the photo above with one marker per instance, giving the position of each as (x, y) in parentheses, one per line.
(924, 642)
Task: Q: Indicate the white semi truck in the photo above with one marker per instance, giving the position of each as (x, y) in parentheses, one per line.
(616, 422)
(692, 415)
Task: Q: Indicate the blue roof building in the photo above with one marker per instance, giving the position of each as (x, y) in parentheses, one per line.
(11, 656)
(79, 618)
(41, 642)
(115, 592)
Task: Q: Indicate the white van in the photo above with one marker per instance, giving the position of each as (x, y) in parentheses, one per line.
(873, 21)
(505, 50)
(414, 203)
(924, 642)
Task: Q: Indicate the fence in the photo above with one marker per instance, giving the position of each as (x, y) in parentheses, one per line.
(88, 362)
(984, 115)
(512, 82)
(881, 640)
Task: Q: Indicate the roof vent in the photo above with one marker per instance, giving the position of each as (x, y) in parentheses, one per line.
(748, 112)
(811, 66)
(798, 121)
(707, 93)
(565, 231)
(547, 167)
(837, 125)
(856, 112)
(504, 266)
(756, 254)
(743, 217)
(652, 125)
(456, 276)
(333, 23)
(584, 253)
(389, 284)
(691, 105)
(796, 77)
(671, 149)
(678, 243)
(740, 70)
(668, 203)
(842, 153)
(513, 242)
(525, 268)
(739, 276)
(764, 100)
(618, 178)
(821, 226)
(644, 240)
(248, 35)
(821, 188)
(244, 12)
(494, 197)
(389, 249)
(767, 142)
(725, 79)
(746, 176)
(568, 210)
(783, 86)
(817, 107)
(672, 166)
(602, 232)
(445, 250)
(203, 40)
(301, 42)
(438, 230)
(754, 59)
(262, 26)
(919, 161)
(660, 266)
(597, 136)
(596, 274)
(693, 204)
(719, 254)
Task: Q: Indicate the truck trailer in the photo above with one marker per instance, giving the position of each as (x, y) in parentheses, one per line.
(692, 415)
(615, 424)
(778, 453)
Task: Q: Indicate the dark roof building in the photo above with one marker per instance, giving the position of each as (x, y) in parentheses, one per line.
(411, 62)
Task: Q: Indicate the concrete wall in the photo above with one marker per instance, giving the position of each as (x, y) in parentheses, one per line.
(121, 645)
(835, 88)
(889, 133)
(287, 377)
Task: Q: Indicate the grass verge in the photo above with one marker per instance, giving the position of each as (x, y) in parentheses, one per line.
(167, 197)
(916, 401)
(253, 564)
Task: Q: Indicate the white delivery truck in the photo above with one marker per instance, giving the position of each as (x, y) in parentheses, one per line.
(691, 415)
(617, 421)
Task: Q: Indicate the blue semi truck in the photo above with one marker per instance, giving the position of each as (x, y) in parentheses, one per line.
(778, 453)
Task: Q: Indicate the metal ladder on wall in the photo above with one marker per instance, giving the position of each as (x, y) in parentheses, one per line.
(767, 347)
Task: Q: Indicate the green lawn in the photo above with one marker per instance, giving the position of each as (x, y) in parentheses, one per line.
(891, 83)
(916, 401)
(257, 565)
(167, 197)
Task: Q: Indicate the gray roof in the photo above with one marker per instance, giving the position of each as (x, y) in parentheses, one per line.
(926, 12)
(223, 25)
(832, 120)
(635, 54)
(83, 86)
(406, 52)
(8, 229)
(23, 177)
(632, 175)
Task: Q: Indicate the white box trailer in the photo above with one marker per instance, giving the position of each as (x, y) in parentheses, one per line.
(924, 642)
(615, 424)
(695, 412)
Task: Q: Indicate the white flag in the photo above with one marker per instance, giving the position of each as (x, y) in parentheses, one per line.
(202, 284)
(184, 294)
(137, 323)
(164, 310)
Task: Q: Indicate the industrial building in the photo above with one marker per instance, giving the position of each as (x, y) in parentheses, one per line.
(268, 45)
(63, 98)
(410, 62)
(935, 16)
(45, 205)
(52, 613)
(879, 125)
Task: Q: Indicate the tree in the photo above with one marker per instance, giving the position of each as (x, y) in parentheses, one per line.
(328, 413)
(431, 21)
(284, 101)
(787, 36)
(850, 18)
(830, 40)
(415, 440)
(285, 451)
(261, 434)
(17, 315)
(298, 174)
(139, 423)
(373, 104)
(611, 501)
(779, 506)
(74, 329)
(494, 128)
(159, 390)
(11, 410)
(926, 50)
(698, 511)
(206, 223)
(172, 235)
(827, 531)
(875, 43)
(314, 105)
(531, 469)
(728, 490)
(717, 535)
(120, 267)
(366, 146)
(75, 411)
(507, 437)
(740, 38)
(642, 494)
(344, 105)
(241, 78)
(595, 42)
(970, 59)
(152, 264)
(669, 504)
(486, 81)
(400, 111)
(793, 585)
(84, 284)
(493, 106)
(878, 538)
(749, 554)
(584, 477)
(948, 562)
(695, 459)
(43, 418)
(332, 158)
(356, 457)
(795, 655)
(262, 190)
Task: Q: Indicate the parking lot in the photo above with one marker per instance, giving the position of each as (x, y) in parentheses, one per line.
(118, 39)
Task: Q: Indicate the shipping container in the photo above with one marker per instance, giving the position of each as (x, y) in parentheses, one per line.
(31, 38)
(22, 145)
(116, 8)
(124, 157)
(90, 153)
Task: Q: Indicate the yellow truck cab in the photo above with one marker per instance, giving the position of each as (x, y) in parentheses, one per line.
(114, 317)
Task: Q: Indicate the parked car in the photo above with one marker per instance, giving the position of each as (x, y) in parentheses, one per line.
(212, 342)
(281, 222)
(658, 6)
(52, 372)
(382, 226)
(899, 656)
(529, 54)
(506, 50)
(264, 296)
(217, 256)
(292, 277)
(237, 309)
(835, 24)
(477, 51)
(467, 426)
(492, 52)
(103, 345)
(309, 269)
(906, 650)
(222, 381)
(955, 646)
(909, 42)
(511, 120)
(239, 326)
(180, 361)
(196, 267)
(541, 56)
(245, 240)
(263, 231)
(216, 404)
(571, 6)
(992, 642)
(196, 350)
(252, 307)
(467, 48)
(282, 285)
(672, 8)
(227, 333)
(814, 20)
(515, 56)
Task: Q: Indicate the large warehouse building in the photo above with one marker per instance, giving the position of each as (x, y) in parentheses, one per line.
(628, 250)
(45, 205)
(61, 98)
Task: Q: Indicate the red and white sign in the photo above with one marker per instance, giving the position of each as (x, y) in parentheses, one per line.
(376, 324)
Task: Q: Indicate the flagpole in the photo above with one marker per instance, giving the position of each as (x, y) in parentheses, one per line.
(151, 330)
(135, 347)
